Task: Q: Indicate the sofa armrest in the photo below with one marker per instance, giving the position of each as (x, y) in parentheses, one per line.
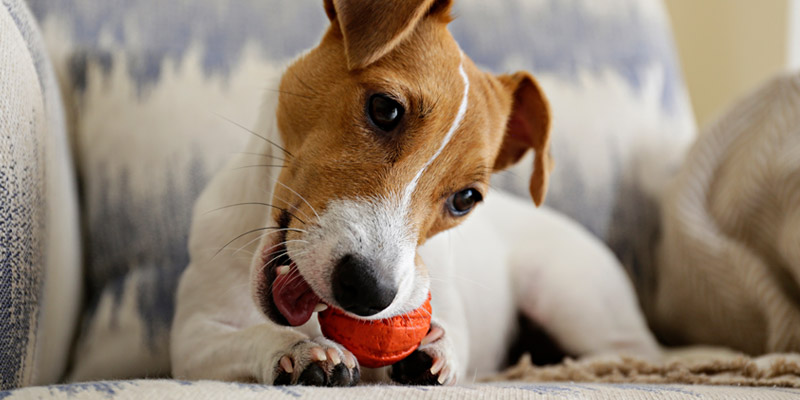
(40, 273)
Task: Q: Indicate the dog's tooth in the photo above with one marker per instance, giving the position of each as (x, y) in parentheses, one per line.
(286, 364)
(320, 307)
(284, 269)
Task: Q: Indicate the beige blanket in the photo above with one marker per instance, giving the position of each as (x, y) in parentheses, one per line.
(729, 257)
(694, 366)
(728, 260)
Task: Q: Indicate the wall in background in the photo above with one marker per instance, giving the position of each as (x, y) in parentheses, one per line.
(728, 47)
(793, 44)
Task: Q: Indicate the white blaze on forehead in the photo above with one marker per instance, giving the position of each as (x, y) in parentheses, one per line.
(462, 110)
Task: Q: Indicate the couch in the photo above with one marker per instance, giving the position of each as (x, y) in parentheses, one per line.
(114, 115)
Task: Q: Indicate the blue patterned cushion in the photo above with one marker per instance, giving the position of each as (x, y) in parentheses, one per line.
(621, 116)
(21, 195)
(156, 84)
(40, 270)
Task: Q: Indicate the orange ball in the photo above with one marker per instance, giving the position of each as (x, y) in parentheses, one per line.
(377, 343)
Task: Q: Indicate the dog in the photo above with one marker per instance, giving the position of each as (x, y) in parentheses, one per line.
(378, 148)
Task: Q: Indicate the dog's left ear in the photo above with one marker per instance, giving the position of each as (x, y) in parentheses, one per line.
(528, 127)
(372, 28)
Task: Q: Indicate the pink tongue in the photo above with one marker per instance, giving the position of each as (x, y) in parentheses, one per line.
(293, 297)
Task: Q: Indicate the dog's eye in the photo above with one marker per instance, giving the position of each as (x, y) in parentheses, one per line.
(384, 112)
(462, 202)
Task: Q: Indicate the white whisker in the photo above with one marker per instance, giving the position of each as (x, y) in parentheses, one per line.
(274, 230)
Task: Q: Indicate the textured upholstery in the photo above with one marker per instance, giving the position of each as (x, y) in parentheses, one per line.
(181, 390)
(21, 125)
(39, 240)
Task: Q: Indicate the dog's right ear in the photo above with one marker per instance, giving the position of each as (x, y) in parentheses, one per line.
(372, 28)
(528, 127)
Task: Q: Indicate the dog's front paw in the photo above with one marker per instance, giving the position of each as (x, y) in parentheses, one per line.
(317, 362)
(431, 364)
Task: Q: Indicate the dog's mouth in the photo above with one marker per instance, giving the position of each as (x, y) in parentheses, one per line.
(285, 295)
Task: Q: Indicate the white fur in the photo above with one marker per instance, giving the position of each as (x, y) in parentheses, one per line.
(506, 256)
(377, 231)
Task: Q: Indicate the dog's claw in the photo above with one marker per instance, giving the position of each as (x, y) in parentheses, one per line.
(438, 363)
(435, 334)
(333, 355)
(349, 360)
(318, 362)
(317, 354)
(444, 375)
(286, 364)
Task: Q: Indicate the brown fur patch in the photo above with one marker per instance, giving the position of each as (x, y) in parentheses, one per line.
(339, 154)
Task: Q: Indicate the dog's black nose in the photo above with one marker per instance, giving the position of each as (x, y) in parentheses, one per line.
(358, 289)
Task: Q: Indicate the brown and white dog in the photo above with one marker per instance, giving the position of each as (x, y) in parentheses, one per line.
(381, 138)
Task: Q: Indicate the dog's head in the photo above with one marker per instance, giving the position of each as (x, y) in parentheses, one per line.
(391, 135)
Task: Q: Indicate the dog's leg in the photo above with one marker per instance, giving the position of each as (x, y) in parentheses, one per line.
(432, 363)
(218, 331)
(220, 335)
(585, 304)
(436, 361)
(265, 354)
(571, 285)
(441, 358)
